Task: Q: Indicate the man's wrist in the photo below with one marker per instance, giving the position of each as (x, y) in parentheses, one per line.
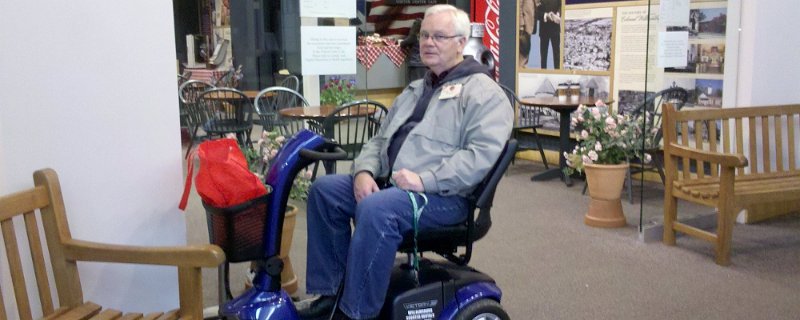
(363, 171)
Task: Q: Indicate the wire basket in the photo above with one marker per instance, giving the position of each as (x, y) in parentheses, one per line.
(239, 229)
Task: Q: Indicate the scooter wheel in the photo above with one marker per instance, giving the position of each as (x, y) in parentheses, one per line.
(484, 309)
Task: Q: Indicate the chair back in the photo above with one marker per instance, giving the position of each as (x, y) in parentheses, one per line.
(290, 82)
(526, 117)
(653, 108)
(353, 124)
(445, 241)
(226, 110)
(271, 100)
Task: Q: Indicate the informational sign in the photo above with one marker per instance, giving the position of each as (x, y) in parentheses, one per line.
(328, 8)
(674, 13)
(632, 47)
(673, 47)
(328, 50)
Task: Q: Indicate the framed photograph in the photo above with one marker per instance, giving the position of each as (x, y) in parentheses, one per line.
(687, 83)
(540, 25)
(587, 39)
(709, 93)
(708, 23)
(629, 100)
(711, 58)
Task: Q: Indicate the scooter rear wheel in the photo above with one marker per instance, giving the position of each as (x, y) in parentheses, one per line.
(484, 309)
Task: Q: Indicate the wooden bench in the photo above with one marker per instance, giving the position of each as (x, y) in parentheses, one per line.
(728, 159)
(45, 201)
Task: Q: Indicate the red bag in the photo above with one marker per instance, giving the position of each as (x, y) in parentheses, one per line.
(223, 179)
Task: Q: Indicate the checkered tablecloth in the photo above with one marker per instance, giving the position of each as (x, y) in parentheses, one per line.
(206, 75)
(367, 54)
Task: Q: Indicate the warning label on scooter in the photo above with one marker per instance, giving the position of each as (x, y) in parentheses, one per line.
(420, 314)
(420, 310)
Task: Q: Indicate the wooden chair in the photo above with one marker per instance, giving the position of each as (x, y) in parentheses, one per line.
(226, 110)
(525, 124)
(65, 252)
(271, 100)
(188, 93)
(352, 125)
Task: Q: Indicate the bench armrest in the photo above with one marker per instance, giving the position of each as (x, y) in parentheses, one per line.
(724, 159)
(182, 256)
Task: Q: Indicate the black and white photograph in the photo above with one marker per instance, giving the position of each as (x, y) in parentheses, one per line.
(587, 44)
(544, 85)
(688, 84)
(708, 23)
(629, 100)
(692, 55)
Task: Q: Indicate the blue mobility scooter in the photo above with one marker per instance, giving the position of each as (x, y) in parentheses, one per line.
(438, 290)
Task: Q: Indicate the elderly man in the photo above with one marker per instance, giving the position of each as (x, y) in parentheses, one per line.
(441, 136)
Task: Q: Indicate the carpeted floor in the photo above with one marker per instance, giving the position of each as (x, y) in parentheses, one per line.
(552, 266)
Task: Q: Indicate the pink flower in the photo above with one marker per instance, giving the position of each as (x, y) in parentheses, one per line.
(584, 134)
(598, 146)
(280, 139)
(586, 160)
(592, 155)
(599, 103)
(307, 174)
(595, 112)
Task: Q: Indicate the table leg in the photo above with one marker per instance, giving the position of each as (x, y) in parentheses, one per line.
(563, 145)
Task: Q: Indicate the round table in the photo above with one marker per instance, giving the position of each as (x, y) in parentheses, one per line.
(564, 107)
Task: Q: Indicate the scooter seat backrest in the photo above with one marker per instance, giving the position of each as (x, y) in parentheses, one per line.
(445, 241)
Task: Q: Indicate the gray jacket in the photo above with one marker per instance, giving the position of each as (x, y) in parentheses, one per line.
(455, 144)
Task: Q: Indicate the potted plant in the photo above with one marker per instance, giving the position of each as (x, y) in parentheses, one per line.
(259, 158)
(337, 91)
(606, 141)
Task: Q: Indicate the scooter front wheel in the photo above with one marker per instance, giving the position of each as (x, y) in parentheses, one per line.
(484, 309)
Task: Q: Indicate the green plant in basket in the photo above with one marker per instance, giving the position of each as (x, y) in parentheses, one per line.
(259, 158)
(337, 91)
(606, 138)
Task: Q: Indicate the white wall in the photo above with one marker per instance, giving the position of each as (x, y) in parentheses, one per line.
(769, 53)
(89, 89)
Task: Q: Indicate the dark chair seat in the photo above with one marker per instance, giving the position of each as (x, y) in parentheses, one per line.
(446, 241)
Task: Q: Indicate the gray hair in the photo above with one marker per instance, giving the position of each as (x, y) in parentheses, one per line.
(460, 18)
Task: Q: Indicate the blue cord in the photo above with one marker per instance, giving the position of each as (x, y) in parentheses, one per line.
(417, 214)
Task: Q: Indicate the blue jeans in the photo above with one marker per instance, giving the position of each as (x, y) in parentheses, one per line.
(365, 258)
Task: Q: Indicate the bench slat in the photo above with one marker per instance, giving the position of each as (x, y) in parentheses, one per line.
(15, 266)
(39, 266)
(790, 125)
(739, 142)
(751, 121)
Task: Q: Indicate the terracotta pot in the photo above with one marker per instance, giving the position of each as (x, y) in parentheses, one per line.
(605, 188)
(288, 278)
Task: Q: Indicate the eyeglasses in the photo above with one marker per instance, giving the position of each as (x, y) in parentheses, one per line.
(438, 38)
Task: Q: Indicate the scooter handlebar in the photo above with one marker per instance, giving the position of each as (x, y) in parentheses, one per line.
(336, 153)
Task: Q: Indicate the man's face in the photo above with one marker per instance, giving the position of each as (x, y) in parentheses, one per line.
(445, 52)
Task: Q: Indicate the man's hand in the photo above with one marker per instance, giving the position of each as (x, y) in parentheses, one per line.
(364, 185)
(407, 180)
